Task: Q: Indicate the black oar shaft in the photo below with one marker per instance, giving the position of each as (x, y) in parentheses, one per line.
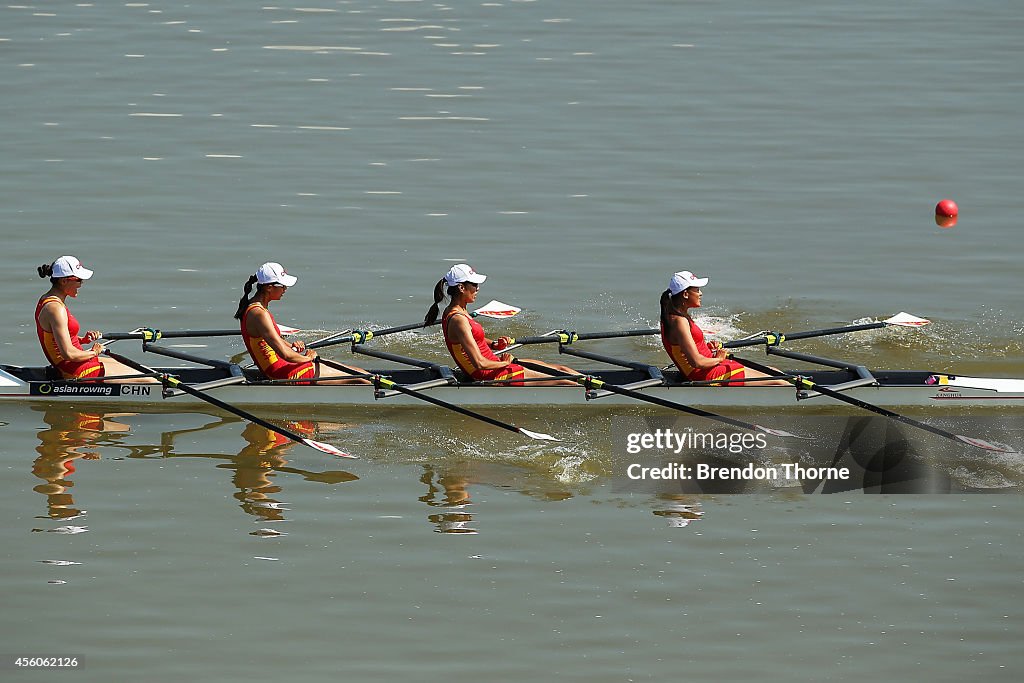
(421, 396)
(639, 367)
(450, 406)
(616, 335)
(671, 404)
(364, 336)
(404, 360)
(152, 335)
(839, 396)
(233, 368)
(592, 383)
(817, 360)
(174, 383)
(779, 338)
(565, 337)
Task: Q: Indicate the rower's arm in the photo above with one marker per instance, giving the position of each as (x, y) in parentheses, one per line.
(680, 330)
(259, 324)
(55, 317)
(458, 328)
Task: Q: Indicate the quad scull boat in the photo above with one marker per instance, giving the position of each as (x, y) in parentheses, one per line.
(227, 385)
(889, 388)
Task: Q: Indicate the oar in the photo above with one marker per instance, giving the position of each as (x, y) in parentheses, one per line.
(804, 383)
(774, 338)
(566, 337)
(594, 383)
(384, 382)
(174, 383)
(149, 334)
(493, 309)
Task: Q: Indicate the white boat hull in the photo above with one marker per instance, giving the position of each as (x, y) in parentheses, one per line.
(895, 390)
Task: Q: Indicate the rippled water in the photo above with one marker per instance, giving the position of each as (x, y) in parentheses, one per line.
(578, 153)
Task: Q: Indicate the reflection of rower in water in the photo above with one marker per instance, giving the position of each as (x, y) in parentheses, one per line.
(257, 464)
(448, 489)
(69, 436)
(677, 509)
(455, 518)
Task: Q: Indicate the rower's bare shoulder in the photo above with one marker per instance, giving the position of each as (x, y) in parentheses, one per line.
(53, 310)
(678, 328)
(258, 319)
(459, 321)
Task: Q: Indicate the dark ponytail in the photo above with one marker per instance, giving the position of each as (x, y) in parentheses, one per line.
(431, 317)
(45, 270)
(243, 303)
(668, 306)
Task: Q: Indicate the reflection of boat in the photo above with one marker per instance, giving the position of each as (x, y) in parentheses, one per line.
(892, 388)
(72, 435)
(257, 464)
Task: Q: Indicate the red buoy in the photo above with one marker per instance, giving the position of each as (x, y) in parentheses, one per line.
(947, 207)
(946, 213)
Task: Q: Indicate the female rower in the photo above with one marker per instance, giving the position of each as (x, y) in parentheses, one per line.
(472, 351)
(276, 358)
(684, 340)
(58, 330)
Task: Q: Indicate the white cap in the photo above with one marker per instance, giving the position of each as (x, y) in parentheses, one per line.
(274, 273)
(69, 266)
(463, 273)
(684, 279)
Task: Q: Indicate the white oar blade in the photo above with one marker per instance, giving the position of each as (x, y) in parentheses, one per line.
(780, 432)
(288, 330)
(539, 436)
(904, 319)
(496, 309)
(987, 445)
(327, 448)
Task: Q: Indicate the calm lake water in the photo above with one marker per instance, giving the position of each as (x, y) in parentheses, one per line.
(578, 152)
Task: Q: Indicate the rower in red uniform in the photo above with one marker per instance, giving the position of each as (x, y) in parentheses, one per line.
(276, 358)
(684, 340)
(470, 348)
(58, 330)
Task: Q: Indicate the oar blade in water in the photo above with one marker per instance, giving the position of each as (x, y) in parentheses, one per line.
(327, 448)
(539, 436)
(986, 445)
(779, 432)
(904, 319)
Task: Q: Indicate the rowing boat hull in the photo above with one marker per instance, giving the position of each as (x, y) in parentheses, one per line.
(895, 389)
